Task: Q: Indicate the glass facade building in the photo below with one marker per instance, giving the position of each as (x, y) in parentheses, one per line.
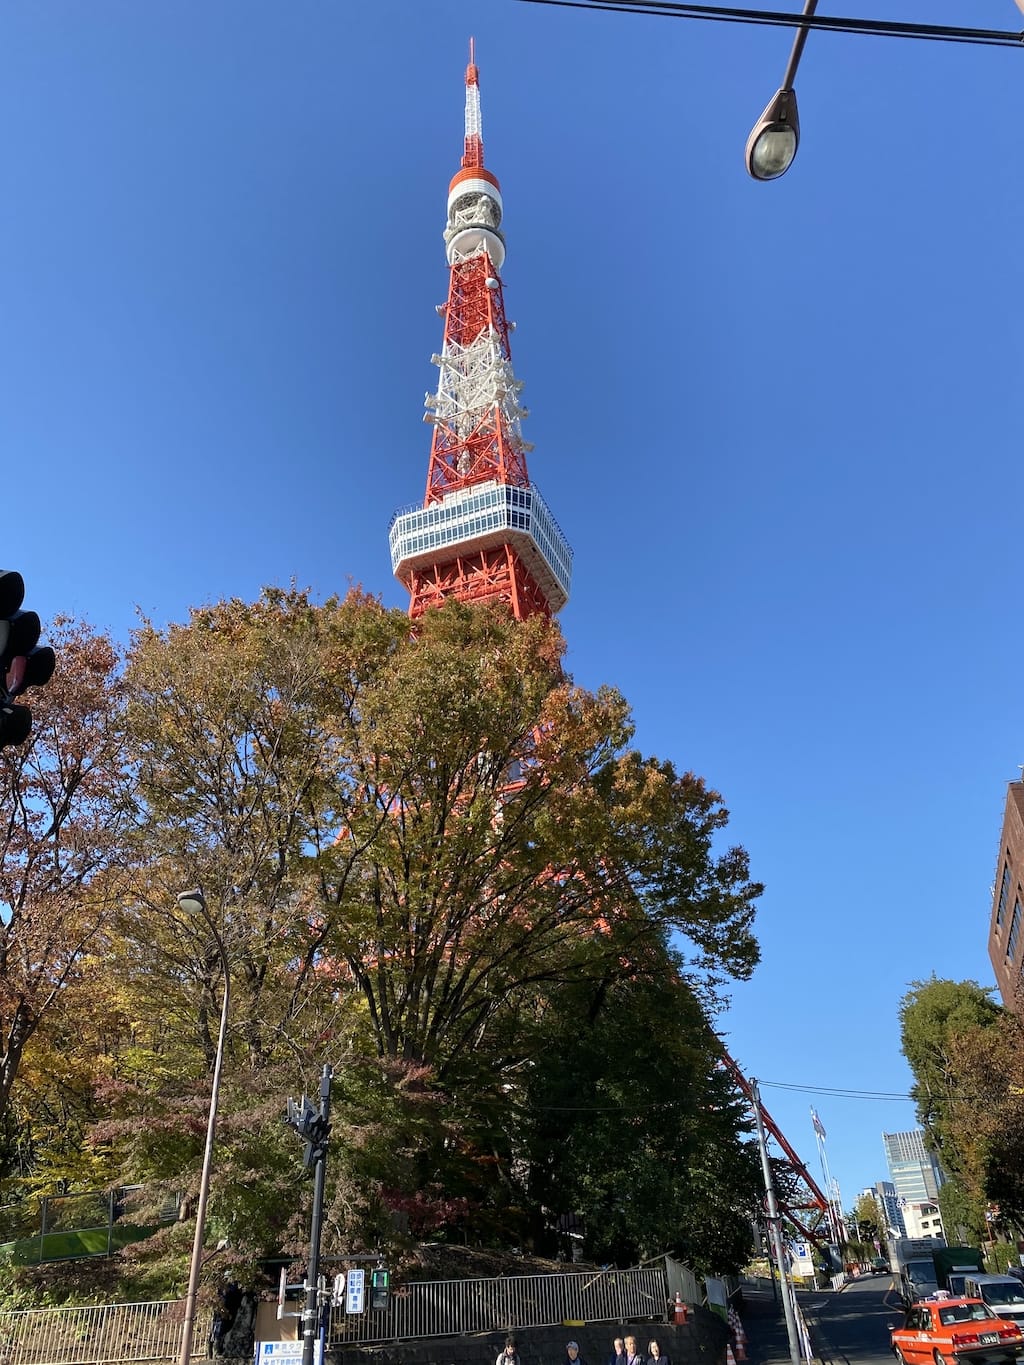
(914, 1171)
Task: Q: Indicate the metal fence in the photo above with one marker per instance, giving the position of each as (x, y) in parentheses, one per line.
(53, 1213)
(432, 1308)
(442, 1308)
(92, 1336)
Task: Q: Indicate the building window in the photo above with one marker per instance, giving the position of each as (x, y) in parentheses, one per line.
(1011, 942)
(1004, 892)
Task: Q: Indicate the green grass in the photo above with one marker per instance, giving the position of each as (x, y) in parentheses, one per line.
(62, 1246)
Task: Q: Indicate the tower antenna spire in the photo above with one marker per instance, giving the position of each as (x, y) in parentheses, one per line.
(473, 154)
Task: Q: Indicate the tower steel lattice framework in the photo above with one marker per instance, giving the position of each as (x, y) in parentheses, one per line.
(483, 532)
(799, 1197)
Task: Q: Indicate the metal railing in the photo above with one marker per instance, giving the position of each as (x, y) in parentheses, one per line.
(441, 1308)
(83, 1212)
(94, 1335)
(432, 1308)
(803, 1334)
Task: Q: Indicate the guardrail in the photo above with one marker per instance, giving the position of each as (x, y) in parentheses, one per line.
(441, 1308)
(803, 1335)
(94, 1335)
(105, 1333)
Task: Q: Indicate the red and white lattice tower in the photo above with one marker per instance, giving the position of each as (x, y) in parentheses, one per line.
(483, 532)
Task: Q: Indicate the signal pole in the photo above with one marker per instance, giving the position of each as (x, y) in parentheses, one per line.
(314, 1127)
(311, 1313)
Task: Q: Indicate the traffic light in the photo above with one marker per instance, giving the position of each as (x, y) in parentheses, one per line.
(380, 1288)
(24, 663)
(312, 1127)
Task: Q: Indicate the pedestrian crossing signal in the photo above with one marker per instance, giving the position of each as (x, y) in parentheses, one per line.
(380, 1288)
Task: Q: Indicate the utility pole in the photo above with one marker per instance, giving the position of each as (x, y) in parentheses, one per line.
(785, 1284)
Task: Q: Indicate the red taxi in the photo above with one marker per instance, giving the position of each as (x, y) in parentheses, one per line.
(945, 1330)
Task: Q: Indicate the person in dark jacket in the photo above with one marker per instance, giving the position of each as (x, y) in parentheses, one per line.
(654, 1355)
(224, 1316)
(572, 1354)
(633, 1356)
(617, 1355)
(510, 1354)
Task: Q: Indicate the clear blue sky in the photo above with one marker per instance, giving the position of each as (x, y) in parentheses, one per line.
(780, 424)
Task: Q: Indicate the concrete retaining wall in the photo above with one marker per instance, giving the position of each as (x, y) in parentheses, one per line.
(700, 1342)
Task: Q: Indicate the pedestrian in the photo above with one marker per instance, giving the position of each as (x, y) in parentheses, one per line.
(654, 1356)
(633, 1356)
(572, 1354)
(224, 1316)
(509, 1354)
(617, 1355)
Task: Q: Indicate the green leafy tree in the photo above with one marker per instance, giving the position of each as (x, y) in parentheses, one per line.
(626, 1117)
(989, 1061)
(871, 1222)
(425, 850)
(949, 1029)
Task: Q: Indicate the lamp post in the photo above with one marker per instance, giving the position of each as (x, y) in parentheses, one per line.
(775, 136)
(194, 903)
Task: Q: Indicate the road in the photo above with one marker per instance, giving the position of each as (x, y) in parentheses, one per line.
(851, 1327)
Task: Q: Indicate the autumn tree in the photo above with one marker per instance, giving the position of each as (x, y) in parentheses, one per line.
(942, 1022)
(989, 1061)
(64, 818)
(521, 831)
(872, 1224)
(415, 839)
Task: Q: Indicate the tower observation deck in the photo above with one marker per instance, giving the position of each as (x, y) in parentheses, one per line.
(483, 531)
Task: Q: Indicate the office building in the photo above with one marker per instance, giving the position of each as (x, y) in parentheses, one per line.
(1004, 935)
(914, 1171)
(888, 1201)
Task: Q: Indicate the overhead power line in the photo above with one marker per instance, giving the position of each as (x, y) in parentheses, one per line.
(730, 14)
(841, 1092)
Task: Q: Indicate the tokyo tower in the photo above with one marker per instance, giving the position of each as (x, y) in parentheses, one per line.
(483, 532)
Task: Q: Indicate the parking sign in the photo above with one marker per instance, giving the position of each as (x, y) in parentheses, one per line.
(355, 1291)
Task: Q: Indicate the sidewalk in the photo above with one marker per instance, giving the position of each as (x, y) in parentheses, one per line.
(767, 1340)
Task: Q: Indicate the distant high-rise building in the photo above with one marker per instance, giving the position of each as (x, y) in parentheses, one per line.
(915, 1172)
(888, 1201)
(1004, 935)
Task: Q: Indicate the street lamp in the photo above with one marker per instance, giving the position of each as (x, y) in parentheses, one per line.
(774, 138)
(194, 903)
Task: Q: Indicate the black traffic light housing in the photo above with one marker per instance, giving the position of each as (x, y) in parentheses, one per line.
(24, 662)
(380, 1288)
(312, 1127)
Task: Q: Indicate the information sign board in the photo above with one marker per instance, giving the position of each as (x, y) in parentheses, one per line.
(284, 1353)
(279, 1353)
(355, 1291)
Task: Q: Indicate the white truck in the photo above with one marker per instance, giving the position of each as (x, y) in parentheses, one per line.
(911, 1261)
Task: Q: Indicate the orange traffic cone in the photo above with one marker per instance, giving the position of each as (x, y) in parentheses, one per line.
(739, 1334)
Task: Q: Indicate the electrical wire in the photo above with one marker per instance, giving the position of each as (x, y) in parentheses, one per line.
(962, 1094)
(729, 14)
(841, 1092)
